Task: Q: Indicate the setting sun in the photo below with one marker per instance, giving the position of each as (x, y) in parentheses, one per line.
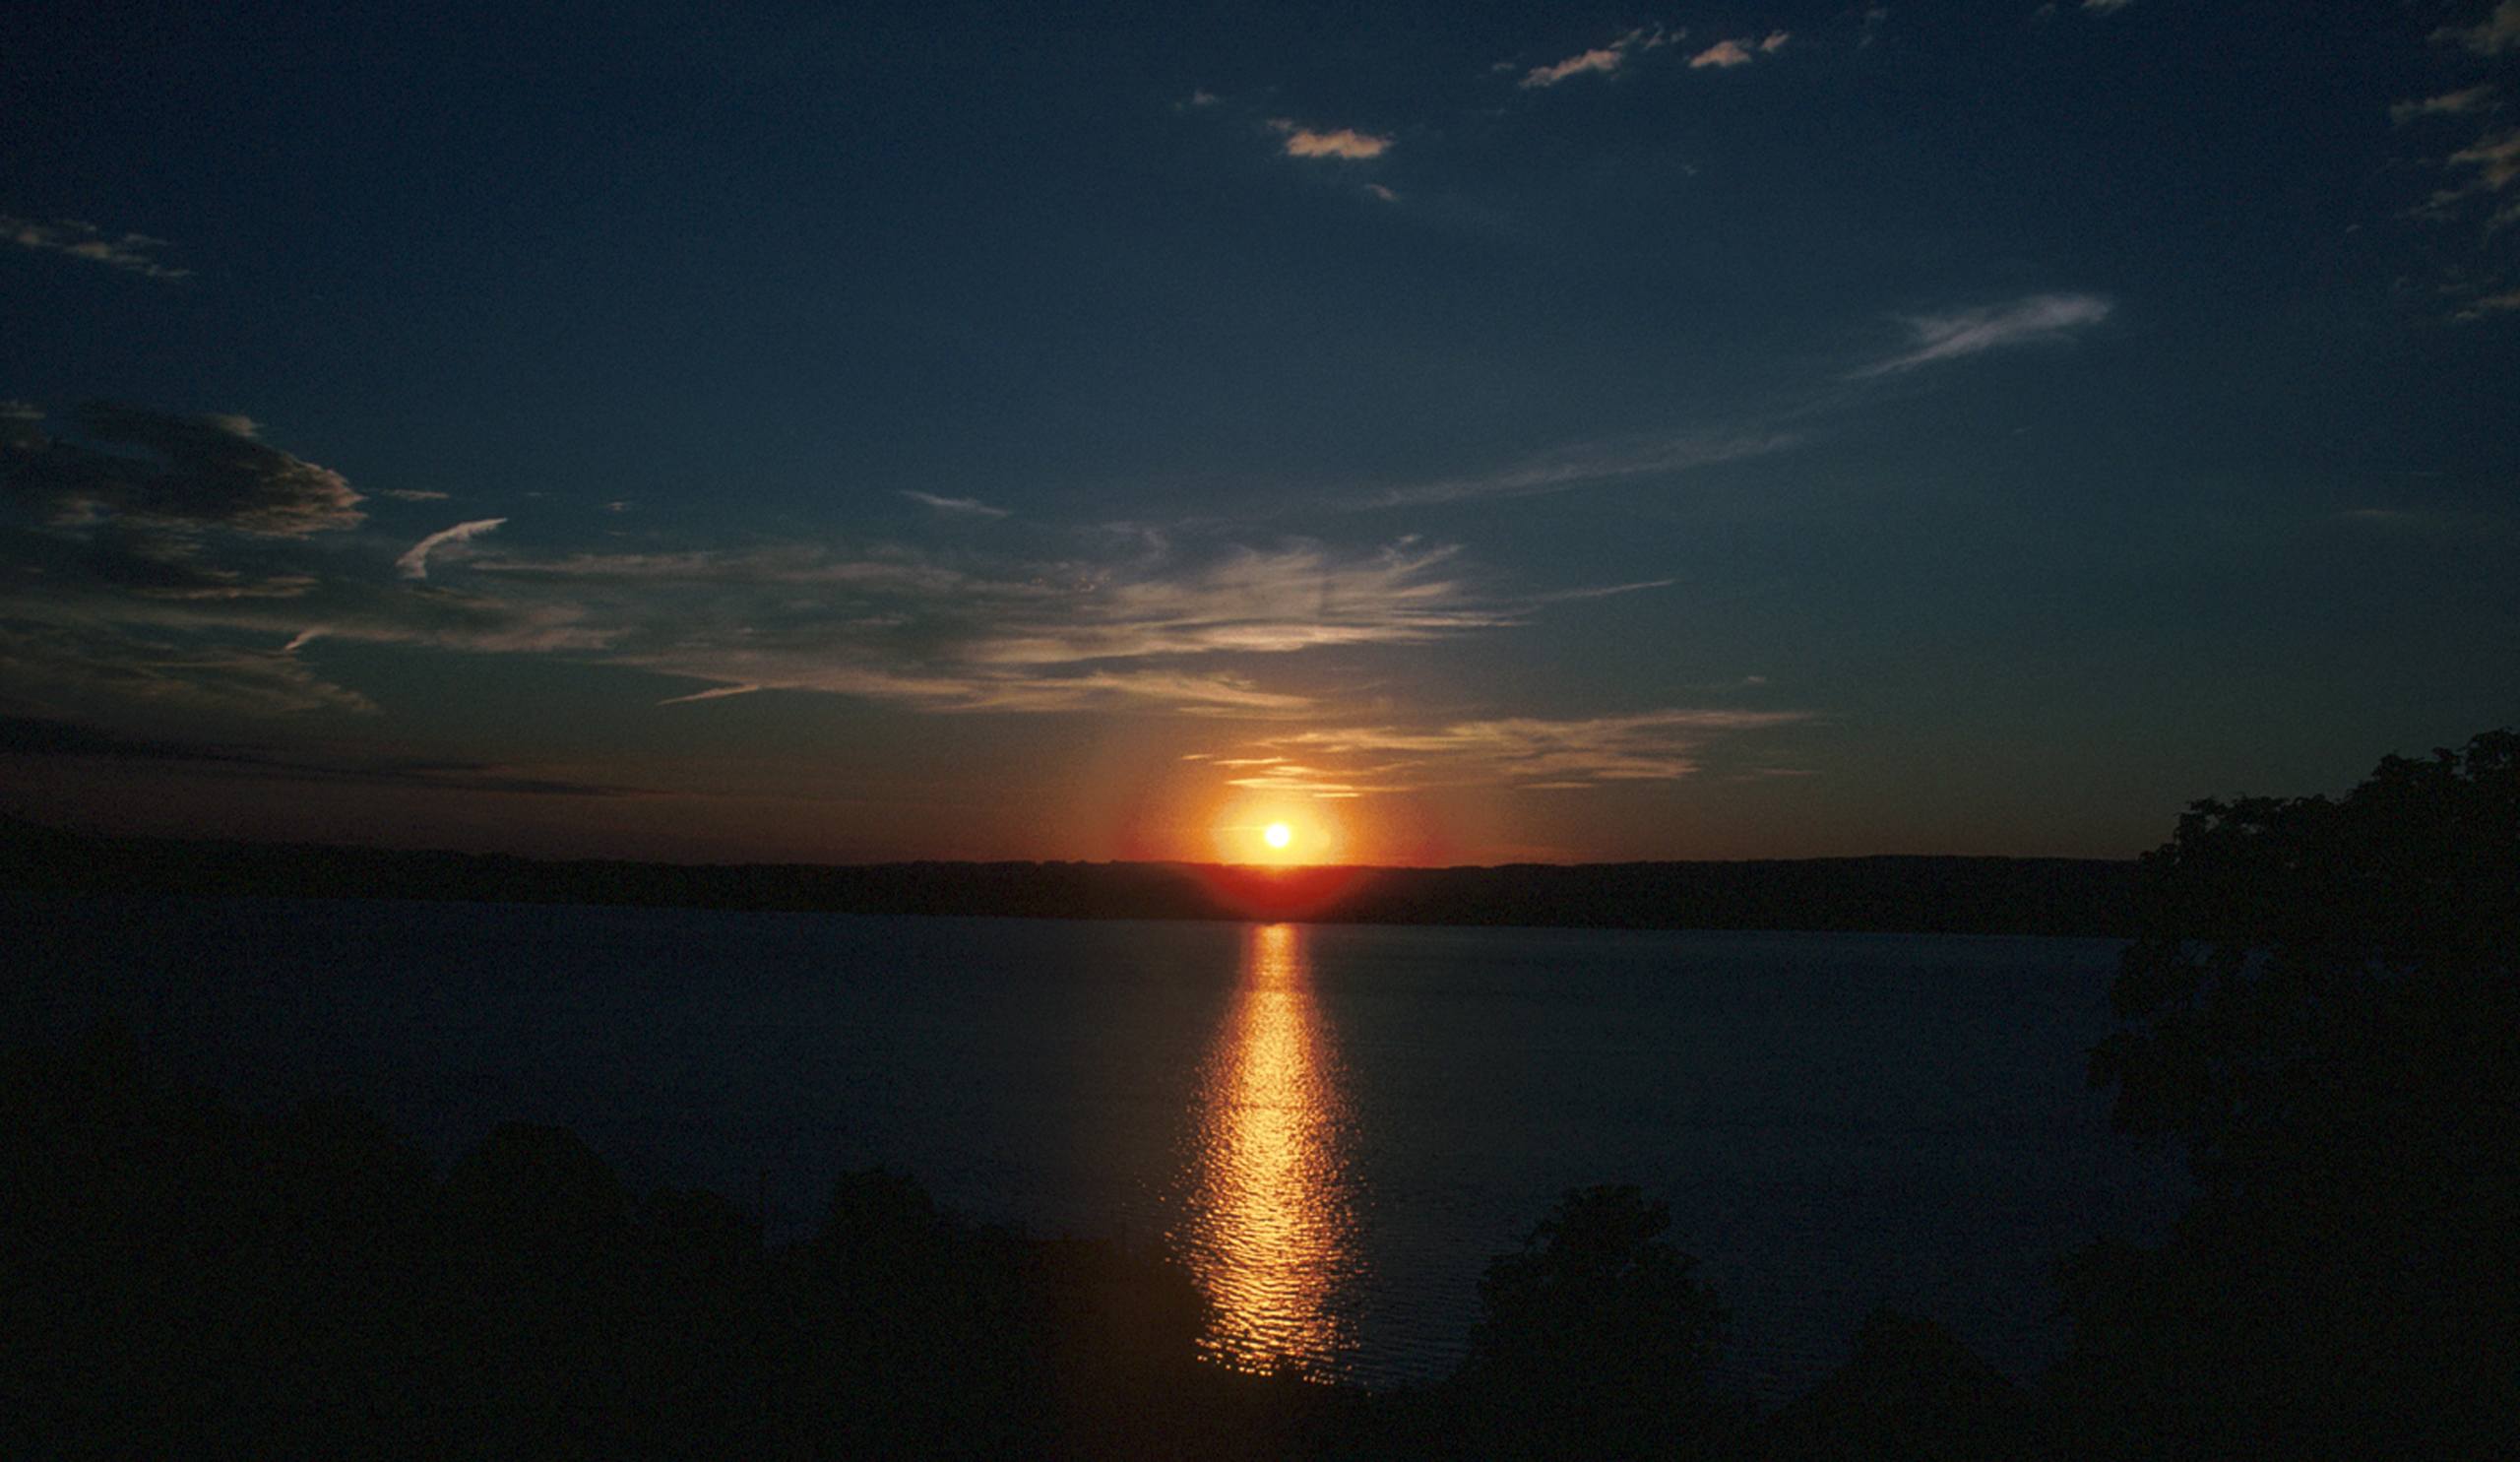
(1277, 832)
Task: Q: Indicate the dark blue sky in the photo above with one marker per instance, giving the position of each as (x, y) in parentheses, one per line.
(1466, 432)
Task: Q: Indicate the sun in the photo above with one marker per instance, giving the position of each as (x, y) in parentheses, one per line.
(1277, 832)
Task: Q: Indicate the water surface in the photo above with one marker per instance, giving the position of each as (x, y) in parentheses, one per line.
(1335, 1127)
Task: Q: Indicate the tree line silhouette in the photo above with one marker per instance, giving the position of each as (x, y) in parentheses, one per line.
(1890, 894)
(2320, 1004)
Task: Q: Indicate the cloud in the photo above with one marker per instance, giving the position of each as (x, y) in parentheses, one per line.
(2496, 156)
(2497, 32)
(1530, 752)
(193, 473)
(1142, 623)
(970, 507)
(1726, 54)
(713, 693)
(134, 253)
(2036, 319)
(2106, 7)
(122, 592)
(416, 563)
(157, 567)
(2491, 305)
(1267, 602)
(409, 494)
(1597, 61)
(1602, 61)
(1345, 143)
(1381, 192)
(2447, 104)
(29, 736)
(159, 671)
(1583, 465)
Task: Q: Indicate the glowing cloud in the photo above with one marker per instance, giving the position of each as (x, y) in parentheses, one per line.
(416, 563)
(1601, 62)
(1524, 751)
(1345, 143)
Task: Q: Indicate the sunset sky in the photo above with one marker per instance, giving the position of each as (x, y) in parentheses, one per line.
(1466, 433)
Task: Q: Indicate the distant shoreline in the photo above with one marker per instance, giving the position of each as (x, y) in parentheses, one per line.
(1886, 894)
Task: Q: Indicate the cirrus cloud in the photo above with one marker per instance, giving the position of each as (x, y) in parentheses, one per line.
(132, 253)
(2032, 320)
(414, 564)
(1534, 753)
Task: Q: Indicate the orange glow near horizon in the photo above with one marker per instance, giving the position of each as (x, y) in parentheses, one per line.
(1277, 834)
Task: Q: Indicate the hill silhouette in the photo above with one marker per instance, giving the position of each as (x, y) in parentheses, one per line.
(1880, 895)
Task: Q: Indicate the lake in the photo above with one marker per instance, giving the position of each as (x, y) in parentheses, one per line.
(1334, 1126)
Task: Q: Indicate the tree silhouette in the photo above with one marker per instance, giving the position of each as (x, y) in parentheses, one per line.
(2320, 1005)
(1596, 1338)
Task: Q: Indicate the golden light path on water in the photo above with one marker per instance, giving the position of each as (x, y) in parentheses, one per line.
(1270, 1232)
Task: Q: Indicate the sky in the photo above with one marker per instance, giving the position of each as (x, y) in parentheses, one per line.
(1462, 432)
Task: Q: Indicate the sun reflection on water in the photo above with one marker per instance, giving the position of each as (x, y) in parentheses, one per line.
(1270, 1232)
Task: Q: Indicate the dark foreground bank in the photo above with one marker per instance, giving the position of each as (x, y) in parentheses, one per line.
(2070, 897)
(190, 1279)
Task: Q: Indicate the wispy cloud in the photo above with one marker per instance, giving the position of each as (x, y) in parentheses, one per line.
(409, 494)
(2447, 104)
(2106, 7)
(968, 507)
(1582, 465)
(1599, 60)
(184, 475)
(1252, 602)
(713, 693)
(27, 736)
(1722, 54)
(414, 564)
(2497, 32)
(2035, 320)
(1141, 622)
(133, 253)
(2496, 156)
(105, 605)
(62, 656)
(1344, 143)
(1530, 752)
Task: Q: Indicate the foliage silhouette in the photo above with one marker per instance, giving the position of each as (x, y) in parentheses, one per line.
(1596, 1338)
(185, 1279)
(2320, 1003)
(1911, 1392)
